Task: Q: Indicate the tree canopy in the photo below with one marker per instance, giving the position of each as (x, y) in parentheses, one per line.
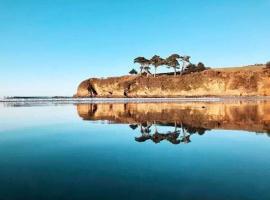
(172, 61)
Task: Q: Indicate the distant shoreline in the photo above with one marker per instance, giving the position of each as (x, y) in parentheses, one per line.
(75, 100)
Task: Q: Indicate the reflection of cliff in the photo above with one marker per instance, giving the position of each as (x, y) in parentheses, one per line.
(249, 116)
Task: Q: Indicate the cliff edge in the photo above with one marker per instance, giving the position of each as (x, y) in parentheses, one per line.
(238, 81)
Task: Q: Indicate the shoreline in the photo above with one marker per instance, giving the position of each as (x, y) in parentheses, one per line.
(76, 100)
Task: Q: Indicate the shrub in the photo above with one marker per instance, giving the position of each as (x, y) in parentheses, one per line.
(133, 71)
(201, 66)
(195, 68)
(191, 67)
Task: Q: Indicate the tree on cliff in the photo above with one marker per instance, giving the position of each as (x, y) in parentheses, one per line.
(157, 61)
(185, 61)
(172, 61)
(145, 63)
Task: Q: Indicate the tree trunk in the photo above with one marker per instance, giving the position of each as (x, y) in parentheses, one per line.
(182, 129)
(182, 69)
(141, 70)
(174, 71)
(155, 71)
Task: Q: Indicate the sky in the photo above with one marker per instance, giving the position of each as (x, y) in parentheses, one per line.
(48, 46)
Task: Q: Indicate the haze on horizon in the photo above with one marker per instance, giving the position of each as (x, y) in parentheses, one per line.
(48, 47)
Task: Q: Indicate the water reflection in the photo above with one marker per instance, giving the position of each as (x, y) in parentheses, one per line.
(175, 137)
(180, 133)
(182, 119)
(49, 152)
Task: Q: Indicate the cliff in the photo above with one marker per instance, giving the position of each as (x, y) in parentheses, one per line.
(242, 81)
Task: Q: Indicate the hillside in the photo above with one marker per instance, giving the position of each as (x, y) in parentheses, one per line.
(237, 81)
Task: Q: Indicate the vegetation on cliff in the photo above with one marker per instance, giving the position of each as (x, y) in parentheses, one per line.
(173, 61)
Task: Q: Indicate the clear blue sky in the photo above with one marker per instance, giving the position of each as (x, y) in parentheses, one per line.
(48, 46)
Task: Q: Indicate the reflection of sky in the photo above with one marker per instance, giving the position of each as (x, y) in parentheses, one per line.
(53, 153)
(21, 117)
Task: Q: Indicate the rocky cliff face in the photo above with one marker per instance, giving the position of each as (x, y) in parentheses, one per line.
(246, 81)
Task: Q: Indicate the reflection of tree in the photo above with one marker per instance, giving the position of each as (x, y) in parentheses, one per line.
(172, 137)
(180, 134)
(145, 131)
(133, 126)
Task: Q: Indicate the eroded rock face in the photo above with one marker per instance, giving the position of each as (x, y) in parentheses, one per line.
(242, 82)
(249, 116)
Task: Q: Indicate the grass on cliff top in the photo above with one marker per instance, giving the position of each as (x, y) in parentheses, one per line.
(244, 68)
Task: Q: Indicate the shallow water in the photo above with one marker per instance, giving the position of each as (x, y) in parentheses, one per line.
(187, 150)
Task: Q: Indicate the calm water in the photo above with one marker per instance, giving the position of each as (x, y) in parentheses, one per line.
(135, 151)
